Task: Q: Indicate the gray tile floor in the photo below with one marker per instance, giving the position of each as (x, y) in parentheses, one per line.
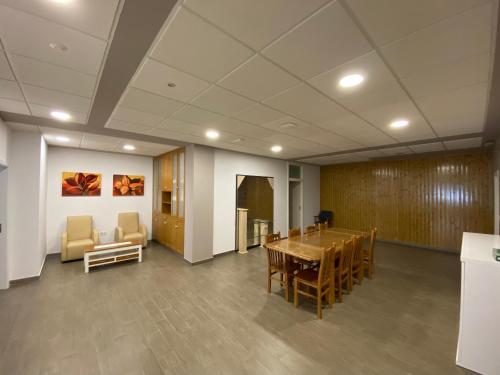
(164, 316)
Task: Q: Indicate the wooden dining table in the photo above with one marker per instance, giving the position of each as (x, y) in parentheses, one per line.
(309, 246)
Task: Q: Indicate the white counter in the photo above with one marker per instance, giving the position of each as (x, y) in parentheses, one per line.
(479, 337)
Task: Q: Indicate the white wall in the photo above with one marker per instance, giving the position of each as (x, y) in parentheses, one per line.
(227, 165)
(199, 228)
(4, 141)
(104, 208)
(311, 193)
(25, 252)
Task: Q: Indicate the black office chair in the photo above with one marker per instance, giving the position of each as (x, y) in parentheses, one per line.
(324, 216)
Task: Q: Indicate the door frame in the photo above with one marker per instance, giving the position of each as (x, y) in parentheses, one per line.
(301, 199)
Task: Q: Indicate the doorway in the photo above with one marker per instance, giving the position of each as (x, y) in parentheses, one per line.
(295, 196)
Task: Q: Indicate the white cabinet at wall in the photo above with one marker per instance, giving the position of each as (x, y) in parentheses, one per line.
(479, 336)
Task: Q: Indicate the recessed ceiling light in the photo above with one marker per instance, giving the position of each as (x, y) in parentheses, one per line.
(212, 134)
(400, 123)
(129, 147)
(276, 148)
(351, 80)
(60, 115)
(171, 84)
(288, 125)
(62, 138)
(58, 46)
(62, 1)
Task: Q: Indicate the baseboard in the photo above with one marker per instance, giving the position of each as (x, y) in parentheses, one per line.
(25, 280)
(199, 261)
(441, 250)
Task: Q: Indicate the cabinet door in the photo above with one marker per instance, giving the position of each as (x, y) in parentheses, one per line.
(162, 229)
(166, 173)
(180, 184)
(169, 232)
(156, 223)
(175, 162)
(179, 236)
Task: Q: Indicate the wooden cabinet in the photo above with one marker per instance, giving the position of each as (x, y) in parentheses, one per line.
(169, 205)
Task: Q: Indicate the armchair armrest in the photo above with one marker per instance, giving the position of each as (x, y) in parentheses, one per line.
(119, 234)
(144, 231)
(64, 246)
(95, 236)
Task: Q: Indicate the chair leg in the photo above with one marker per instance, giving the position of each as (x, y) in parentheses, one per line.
(349, 281)
(341, 297)
(295, 293)
(285, 282)
(370, 269)
(269, 281)
(318, 303)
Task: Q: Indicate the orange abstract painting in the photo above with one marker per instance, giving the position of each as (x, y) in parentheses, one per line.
(79, 184)
(127, 185)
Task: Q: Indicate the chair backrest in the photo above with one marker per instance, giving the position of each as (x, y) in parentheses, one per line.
(275, 258)
(326, 265)
(322, 226)
(129, 222)
(79, 228)
(309, 229)
(346, 256)
(273, 237)
(357, 253)
(294, 232)
(325, 215)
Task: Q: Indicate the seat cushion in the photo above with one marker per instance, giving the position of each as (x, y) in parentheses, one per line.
(129, 222)
(133, 237)
(75, 248)
(79, 228)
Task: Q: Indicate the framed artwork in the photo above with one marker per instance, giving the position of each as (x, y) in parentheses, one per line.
(128, 185)
(81, 184)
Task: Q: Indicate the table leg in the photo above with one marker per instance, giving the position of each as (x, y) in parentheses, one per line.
(140, 253)
(86, 262)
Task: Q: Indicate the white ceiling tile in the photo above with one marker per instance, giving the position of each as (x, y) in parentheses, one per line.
(464, 143)
(319, 44)
(5, 71)
(333, 141)
(155, 77)
(10, 90)
(258, 114)
(378, 88)
(169, 134)
(457, 112)
(178, 126)
(84, 53)
(427, 147)
(288, 141)
(388, 20)
(193, 45)
(128, 126)
(304, 102)
(46, 75)
(43, 111)
(255, 22)
(14, 106)
(243, 129)
(198, 116)
(395, 151)
(56, 99)
(136, 117)
(97, 141)
(446, 77)
(258, 79)
(51, 134)
(222, 101)
(383, 116)
(150, 103)
(354, 128)
(94, 17)
(453, 39)
(17, 126)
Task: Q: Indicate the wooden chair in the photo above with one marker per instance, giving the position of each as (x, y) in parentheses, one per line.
(357, 268)
(322, 280)
(310, 229)
(278, 263)
(343, 269)
(294, 232)
(368, 253)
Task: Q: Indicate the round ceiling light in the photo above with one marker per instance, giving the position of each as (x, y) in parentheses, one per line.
(129, 147)
(61, 115)
(351, 80)
(399, 123)
(276, 148)
(212, 134)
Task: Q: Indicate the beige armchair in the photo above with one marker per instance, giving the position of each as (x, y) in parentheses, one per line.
(129, 229)
(79, 233)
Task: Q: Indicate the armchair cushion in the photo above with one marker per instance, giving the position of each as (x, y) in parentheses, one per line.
(79, 228)
(128, 222)
(133, 237)
(75, 248)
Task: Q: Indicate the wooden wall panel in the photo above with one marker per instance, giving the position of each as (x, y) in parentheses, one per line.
(425, 200)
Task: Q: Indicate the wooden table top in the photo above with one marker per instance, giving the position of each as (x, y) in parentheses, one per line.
(309, 246)
(110, 246)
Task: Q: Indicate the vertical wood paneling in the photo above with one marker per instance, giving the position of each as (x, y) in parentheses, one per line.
(426, 200)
